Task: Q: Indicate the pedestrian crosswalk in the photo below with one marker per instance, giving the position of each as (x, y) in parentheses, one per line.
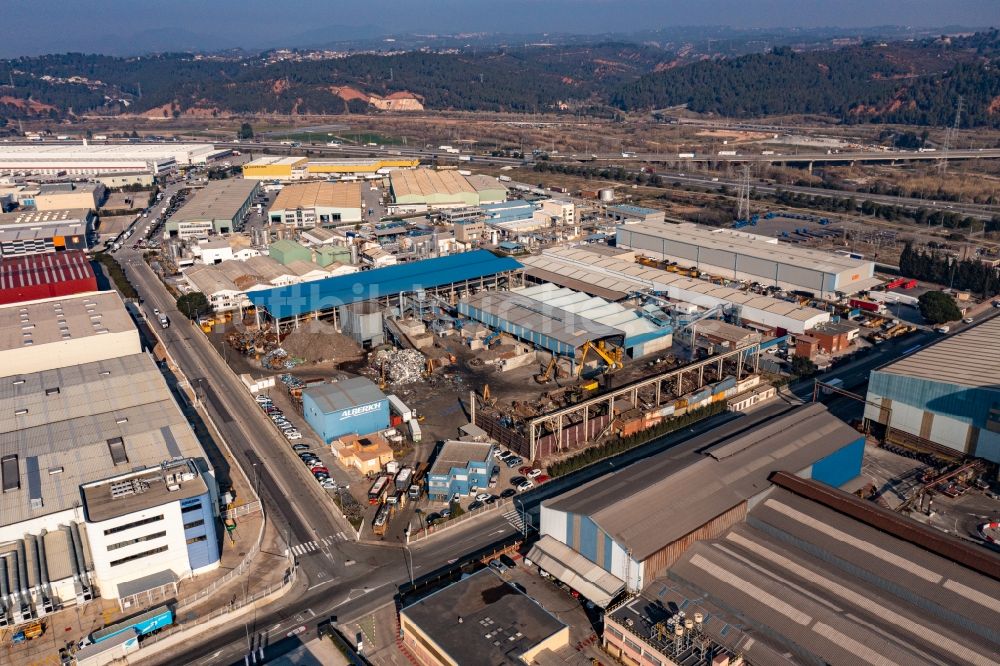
(513, 517)
(316, 545)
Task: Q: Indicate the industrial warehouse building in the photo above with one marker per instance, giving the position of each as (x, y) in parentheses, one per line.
(89, 507)
(59, 332)
(351, 406)
(322, 204)
(425, 189)
(818, 576)
(61, 196)
(452, 275)
(76, 159)
(226, 284)
(36, 232)
(482, 619)
(947, 393)
(37, 276)
(300, 168)
(636, 522)
(561, 321)
(215, 209)
(736, 255)
(617, 276)
(460, 468)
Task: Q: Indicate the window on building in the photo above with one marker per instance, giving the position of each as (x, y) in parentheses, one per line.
(130, 542)
(197, 523)
(138, 556)
(632, 645)
(128, 526)
(650, 659)
(614, 632)
(191, 507)
(197, 539)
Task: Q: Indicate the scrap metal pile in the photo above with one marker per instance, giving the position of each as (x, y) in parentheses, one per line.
(248, 341)
(398, 366)
(278, 359)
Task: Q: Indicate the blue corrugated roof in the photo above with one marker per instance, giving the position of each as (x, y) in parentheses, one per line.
(299, 299)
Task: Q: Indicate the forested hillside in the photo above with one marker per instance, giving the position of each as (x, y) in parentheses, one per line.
(903, 82)
(897, 83)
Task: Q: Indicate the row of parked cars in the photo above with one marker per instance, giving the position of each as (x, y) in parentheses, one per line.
(316, 467)
(290, 432)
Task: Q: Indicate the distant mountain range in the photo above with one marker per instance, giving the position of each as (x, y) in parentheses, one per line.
(853, 79)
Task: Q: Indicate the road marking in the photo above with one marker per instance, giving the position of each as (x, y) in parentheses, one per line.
(325, 582)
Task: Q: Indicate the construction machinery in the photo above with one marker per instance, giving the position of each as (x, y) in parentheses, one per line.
(612, 356)
(546, 375)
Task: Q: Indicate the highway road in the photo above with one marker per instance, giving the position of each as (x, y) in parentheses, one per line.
(708, 181)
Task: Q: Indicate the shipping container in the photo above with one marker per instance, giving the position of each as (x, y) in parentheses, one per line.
(867, 306)
(414, 430)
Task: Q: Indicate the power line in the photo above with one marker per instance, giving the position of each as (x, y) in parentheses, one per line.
(950, 135)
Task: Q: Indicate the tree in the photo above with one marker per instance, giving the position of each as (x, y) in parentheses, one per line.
(246, 131)
(194, 305)
(802, 366)
(938, 307)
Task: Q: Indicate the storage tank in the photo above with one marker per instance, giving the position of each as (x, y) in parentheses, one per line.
(362, 322)
(606, 194)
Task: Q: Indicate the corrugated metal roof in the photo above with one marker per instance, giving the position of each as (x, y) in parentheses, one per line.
(219, 200)
(68, 431)
(56, 319)
(572, 568)
(347, 393)
(299, 299)
(968, 358)
(318, 194)
(539, 318)
(648, 505)
(584, 264)
(628, 321)
(746, 244)
(805, 575)
(48, 269)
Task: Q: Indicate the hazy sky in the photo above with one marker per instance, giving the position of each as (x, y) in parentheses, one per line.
(47, 26)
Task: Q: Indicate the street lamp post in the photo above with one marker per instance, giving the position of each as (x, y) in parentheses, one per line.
(524, 517)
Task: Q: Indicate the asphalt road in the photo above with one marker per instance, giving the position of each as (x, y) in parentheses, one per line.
(427, 154)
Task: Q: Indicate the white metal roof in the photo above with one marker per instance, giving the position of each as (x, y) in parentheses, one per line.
(630, 322)
(746, 244)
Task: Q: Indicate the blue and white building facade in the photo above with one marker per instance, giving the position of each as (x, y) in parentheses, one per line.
(460, 468)
(352, 406)
(947, 393)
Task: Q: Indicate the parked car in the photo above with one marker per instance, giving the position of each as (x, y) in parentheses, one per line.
(508, 561)
(482, 497)
(513, 462)
(292, 435)
(498, 566)
(535, 473)
(502, 455)
(329, 484)
(432, 518)
(517, 480)
(475, 506)
(508, 492)
(492, 499)
(300, 447)
(527, 485)
(542, 479)
(524, 469)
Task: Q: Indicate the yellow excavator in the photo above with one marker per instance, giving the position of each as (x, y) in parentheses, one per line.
(546, 374)
(612, 356)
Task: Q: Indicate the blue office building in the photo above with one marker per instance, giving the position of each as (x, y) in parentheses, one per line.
(352, 406)
(460, 468)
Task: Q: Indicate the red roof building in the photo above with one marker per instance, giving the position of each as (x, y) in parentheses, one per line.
(36, 276)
